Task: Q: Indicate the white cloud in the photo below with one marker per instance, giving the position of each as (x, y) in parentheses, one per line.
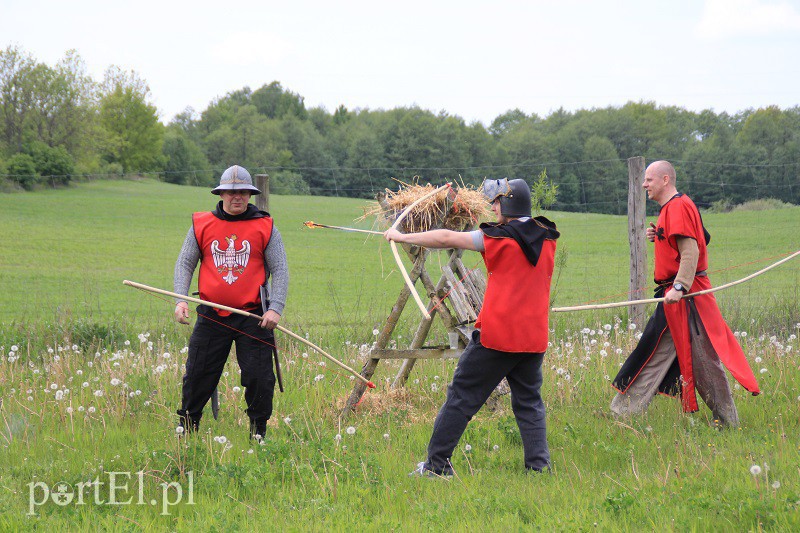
(249, 49)
(729, 18)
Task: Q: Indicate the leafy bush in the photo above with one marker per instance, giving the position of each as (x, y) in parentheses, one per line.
(22, 169)
(762, 204)
(53, 163)
(289, 183)
(112, 170)
(723, 205)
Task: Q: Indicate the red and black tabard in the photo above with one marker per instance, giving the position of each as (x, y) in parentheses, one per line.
(231, 259)
(678, 218)
(514, 316)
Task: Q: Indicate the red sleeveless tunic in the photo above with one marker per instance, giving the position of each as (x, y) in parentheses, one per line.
(514, 316)
(231, 259)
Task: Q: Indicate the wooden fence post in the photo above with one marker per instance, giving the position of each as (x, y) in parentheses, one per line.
(262, 184)
(636, 238)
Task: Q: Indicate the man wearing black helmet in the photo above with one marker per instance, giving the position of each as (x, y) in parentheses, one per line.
(239, 250)
(510, 335)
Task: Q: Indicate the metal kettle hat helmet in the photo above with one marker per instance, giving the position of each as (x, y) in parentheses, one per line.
(514, 195)
(236, 178)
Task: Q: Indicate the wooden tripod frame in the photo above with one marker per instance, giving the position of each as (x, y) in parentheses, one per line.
(458, 286)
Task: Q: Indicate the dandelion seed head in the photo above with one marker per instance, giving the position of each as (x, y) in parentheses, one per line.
(351, 430)
(755, 470)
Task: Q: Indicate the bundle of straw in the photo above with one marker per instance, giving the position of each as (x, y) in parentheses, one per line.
(460, 208)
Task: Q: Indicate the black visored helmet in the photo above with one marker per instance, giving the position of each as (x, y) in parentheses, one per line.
(514, 195)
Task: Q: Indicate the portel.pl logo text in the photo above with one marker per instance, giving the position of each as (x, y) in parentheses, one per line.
(114, 488)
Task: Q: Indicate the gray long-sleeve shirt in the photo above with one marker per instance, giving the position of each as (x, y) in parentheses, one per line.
(274, 264)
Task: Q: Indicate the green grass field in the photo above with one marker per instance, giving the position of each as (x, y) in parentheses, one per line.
(90, 380)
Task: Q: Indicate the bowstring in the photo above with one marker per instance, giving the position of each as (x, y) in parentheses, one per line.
(331, 368)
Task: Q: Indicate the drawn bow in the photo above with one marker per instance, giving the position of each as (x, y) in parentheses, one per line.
(393, 246)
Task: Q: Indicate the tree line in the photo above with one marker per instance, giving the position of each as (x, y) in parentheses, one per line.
(57, 123)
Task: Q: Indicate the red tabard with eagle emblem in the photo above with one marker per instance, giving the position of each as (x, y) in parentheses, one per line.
(680, 218)
(514, 316)
(231, 259)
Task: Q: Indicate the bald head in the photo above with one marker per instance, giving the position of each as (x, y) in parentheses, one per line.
(662, 168)
(659, 181)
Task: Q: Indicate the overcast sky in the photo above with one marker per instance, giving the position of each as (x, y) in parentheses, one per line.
(471, 59)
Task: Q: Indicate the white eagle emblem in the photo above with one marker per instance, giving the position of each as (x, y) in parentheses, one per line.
(230, 259)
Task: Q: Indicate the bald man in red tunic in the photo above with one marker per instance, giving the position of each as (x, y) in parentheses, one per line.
(510, 335)
(686, 345)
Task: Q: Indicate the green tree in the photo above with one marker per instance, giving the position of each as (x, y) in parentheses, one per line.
(273, 101)
(186, 162)
(506, 121)
(604, 178)
(133, 135)
(17, 95)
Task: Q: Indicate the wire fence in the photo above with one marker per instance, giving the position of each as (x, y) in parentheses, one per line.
(594, 244)
(591, 186)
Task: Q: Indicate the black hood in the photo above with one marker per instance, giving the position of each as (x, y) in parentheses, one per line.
(251, 212)
(530, 235)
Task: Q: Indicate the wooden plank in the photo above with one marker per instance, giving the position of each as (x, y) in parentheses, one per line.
(636, 238)
(471, 286)
(262, 184)
(463, 309)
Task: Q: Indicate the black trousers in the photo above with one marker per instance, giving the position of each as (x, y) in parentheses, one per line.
(209, 347)
(479, 371)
